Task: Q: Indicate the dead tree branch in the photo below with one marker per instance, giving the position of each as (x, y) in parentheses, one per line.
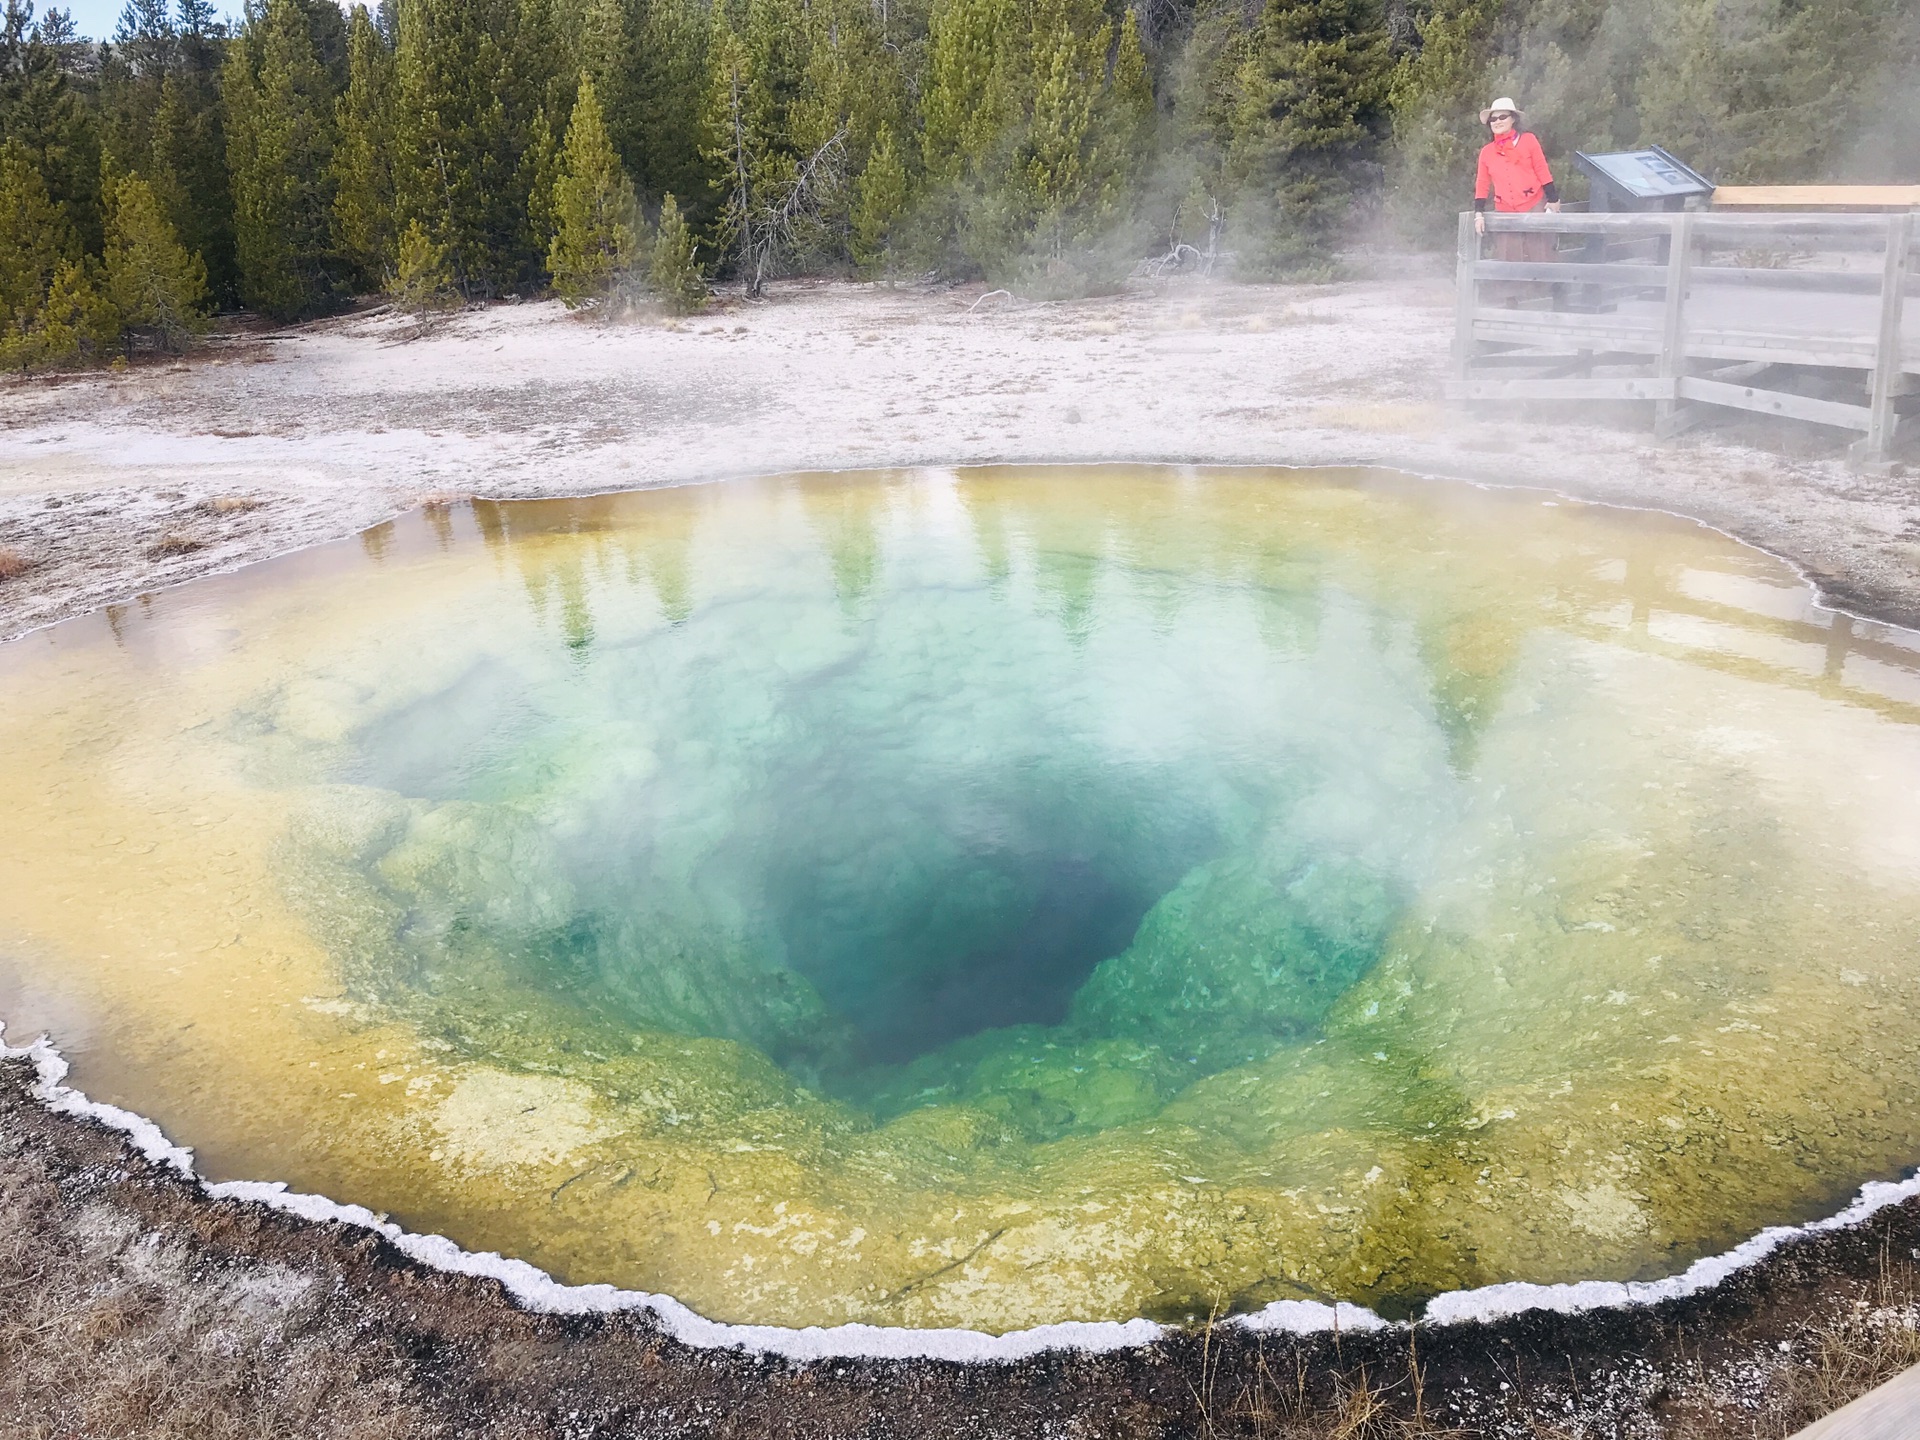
(768, 227)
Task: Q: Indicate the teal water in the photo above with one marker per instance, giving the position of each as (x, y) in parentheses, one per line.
(895, 822)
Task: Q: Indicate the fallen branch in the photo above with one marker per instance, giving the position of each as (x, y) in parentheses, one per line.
(1159, 265)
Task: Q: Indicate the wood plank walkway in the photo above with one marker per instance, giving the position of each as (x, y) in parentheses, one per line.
(1890, 1413)
(1802, 316)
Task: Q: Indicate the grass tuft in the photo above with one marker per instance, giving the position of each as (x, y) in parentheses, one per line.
(174, 542)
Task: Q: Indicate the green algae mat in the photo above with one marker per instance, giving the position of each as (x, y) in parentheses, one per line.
(997, 897)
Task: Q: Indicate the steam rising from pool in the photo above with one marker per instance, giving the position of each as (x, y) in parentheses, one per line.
(996, 898)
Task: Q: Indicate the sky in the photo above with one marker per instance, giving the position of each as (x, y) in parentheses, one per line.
(96, 19)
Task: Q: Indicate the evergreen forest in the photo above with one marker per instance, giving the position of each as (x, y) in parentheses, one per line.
(619, 152)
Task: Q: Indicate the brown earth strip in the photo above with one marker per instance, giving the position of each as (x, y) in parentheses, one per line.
(133, 1305)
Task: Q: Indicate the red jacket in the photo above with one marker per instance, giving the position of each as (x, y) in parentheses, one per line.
(1513, 172)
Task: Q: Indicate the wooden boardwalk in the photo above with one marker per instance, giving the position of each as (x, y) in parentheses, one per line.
(1803, 316)
(1890, 1413)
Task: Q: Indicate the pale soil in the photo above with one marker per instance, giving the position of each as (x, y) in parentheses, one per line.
(130, 1305)
(115, 484)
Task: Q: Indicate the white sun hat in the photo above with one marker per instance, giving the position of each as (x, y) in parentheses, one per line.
(1505, 102)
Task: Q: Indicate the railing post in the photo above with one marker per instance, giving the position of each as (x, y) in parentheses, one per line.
(1881, 421)
(1463, 301)
(1667, 418)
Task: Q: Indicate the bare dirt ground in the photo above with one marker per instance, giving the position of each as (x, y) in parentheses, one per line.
(264, 441)
(132, 1305)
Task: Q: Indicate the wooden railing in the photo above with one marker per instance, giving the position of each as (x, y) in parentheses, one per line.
(1802, 316)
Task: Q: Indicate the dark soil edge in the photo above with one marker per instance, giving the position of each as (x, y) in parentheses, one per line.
(375, 1343)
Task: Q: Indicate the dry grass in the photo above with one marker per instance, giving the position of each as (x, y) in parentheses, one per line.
(1272, 1407)
(1284, 1404)
(1763, 258)
(13, 562)
(1858, 1349)
(174, 542)
(111, 1334)
(1871, 1335)
(230, 505)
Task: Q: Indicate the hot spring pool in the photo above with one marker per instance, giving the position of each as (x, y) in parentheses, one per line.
(993, 898)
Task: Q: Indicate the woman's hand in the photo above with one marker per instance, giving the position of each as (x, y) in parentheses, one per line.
(1554, 206)
(1479, 222)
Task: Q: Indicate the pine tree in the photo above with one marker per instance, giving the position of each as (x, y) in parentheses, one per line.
(656, 89)
(871, 79)
(1022, 138)
(969, 122)
(34, 237)
(596, 236)
(1129, 110)
(460, 137)
(46, 114)
(775, 41)
(1037, 127)
(189, 148)
(851, 89)
(1069, 184)
(151, 279)
(1768, 102)
(731, 144)
(363, 200)
(134, 71)
(971, 100)
(327, 30)
(592, 34)
(73, 325)
(674, 271)
(199, 18)
(542, 165)
(1312, 93)
(164, 119)
(1435, 96)
(421, 281)
(879, 204)
(541, 83)
(780, 204)
(280, 140)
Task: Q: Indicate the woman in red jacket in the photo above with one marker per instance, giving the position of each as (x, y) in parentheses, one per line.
(1513, 178)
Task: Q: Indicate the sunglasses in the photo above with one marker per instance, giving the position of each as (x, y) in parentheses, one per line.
(1499, 115)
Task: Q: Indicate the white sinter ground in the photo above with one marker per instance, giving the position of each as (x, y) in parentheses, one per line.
(115, 484)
